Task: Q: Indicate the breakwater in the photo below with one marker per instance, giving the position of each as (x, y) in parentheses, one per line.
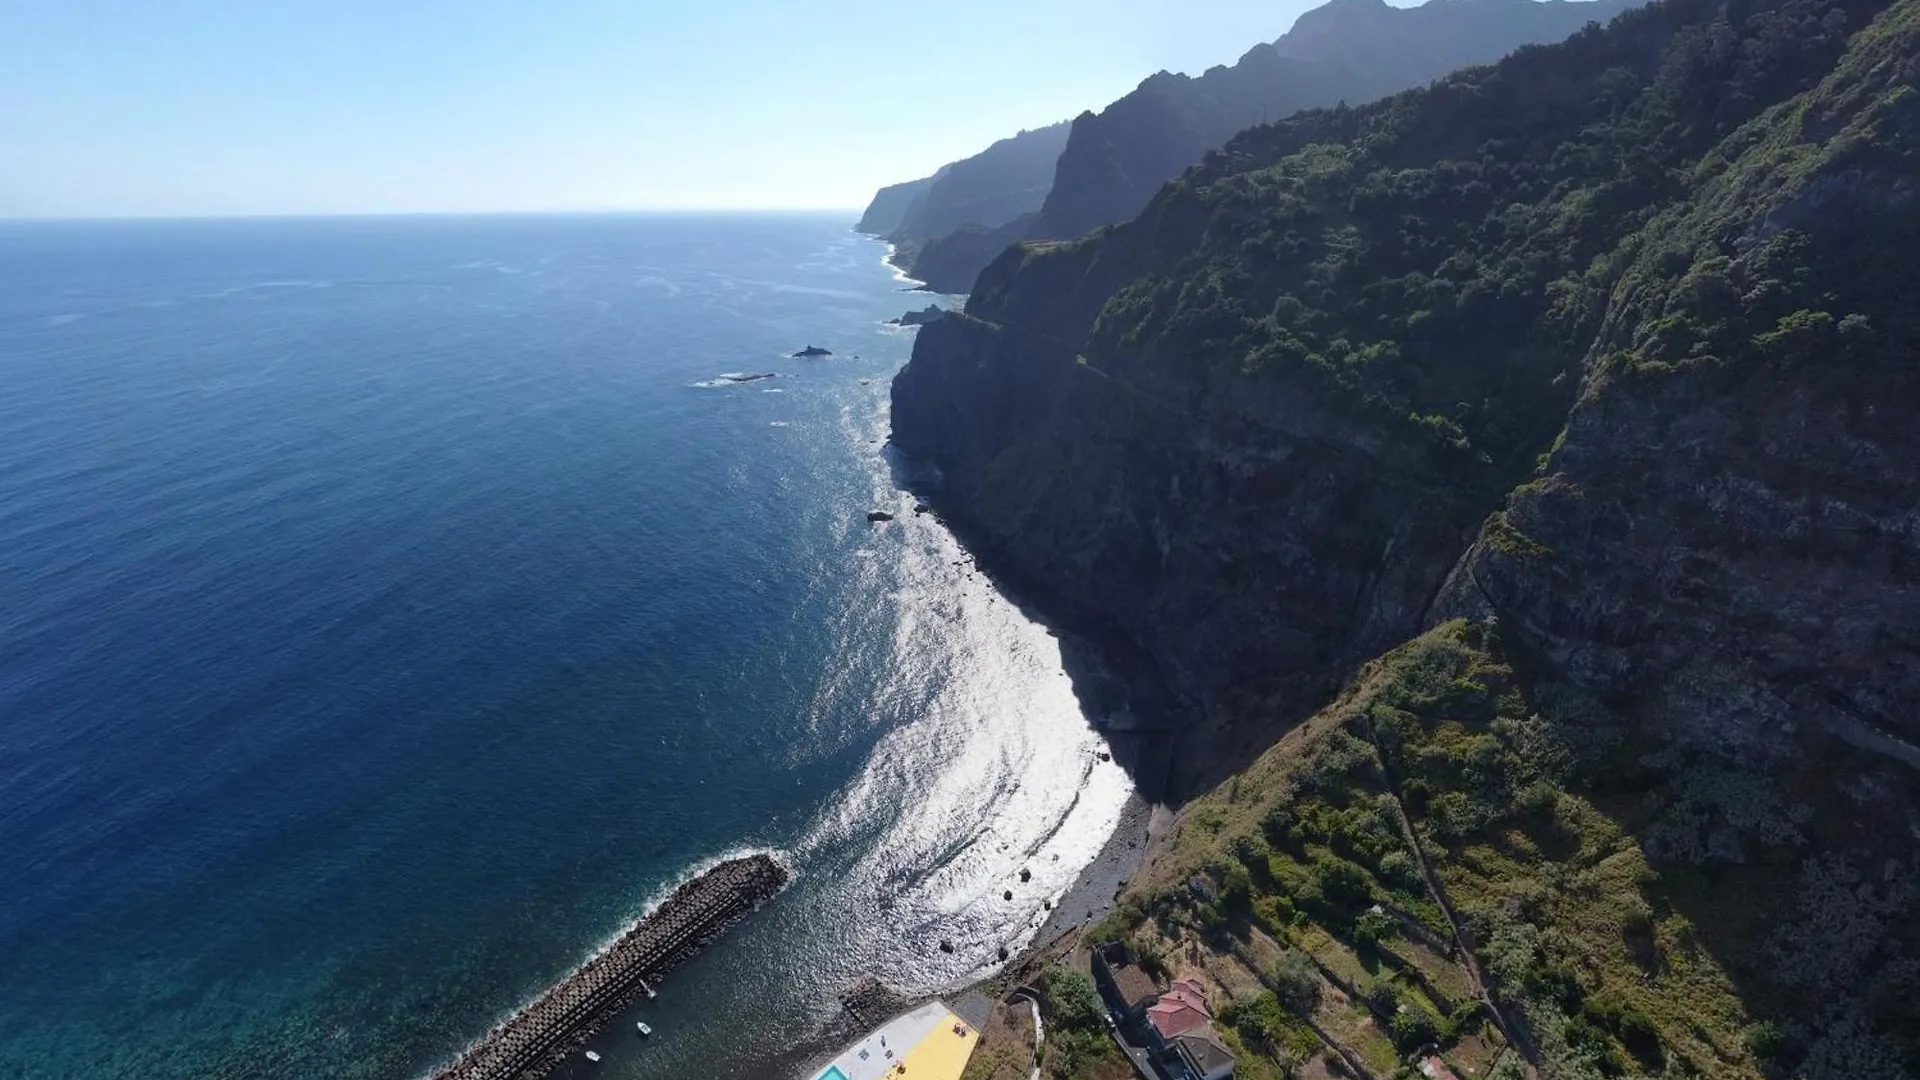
(539, 1036)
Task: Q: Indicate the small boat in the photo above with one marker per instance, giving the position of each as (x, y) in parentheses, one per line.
(593, 1057)
(643, 1029)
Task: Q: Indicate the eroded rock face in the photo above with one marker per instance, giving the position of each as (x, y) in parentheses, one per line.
(1746, 564)
(1724, 532)
(1239, 532)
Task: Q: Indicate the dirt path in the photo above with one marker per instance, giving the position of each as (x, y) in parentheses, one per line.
(1516, 1036)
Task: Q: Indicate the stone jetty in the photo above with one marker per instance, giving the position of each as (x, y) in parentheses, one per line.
(542, 1034)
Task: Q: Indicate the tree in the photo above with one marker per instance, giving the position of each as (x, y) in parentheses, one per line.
(1296, 982)
(1072, 999)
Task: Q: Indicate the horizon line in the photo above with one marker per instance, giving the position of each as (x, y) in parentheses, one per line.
(742, 211)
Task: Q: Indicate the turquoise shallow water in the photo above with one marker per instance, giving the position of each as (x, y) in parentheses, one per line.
(390, 609)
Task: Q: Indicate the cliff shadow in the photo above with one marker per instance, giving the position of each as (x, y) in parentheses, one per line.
(1116, 683)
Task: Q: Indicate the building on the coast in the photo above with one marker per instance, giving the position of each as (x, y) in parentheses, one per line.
(1180, 1029)
(1203, 1055)
(930, 1043)
(1180, 1009)
(1435, 1068)
(1124, 984)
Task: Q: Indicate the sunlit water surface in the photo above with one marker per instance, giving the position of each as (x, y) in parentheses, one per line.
(390, 610)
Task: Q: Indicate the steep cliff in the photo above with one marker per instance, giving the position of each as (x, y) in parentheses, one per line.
(889, 207)
(950, 263)
(988, 190)
(1608, 347)
(1348, 50)
(1258, 425)
(1104, 167)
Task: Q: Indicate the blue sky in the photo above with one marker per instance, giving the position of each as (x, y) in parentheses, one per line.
(163, 107)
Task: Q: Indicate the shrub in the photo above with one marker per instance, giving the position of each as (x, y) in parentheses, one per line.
(1072, 999)
(1279, 828)
(1554, 982)
(1627, 1023)
(1398, 871)
(1374, 927)
(1764, 1040)
(1074, 1051)
(1380, 996)
(1411, 1028)
(1253, 853)
(1278, 912)
(1236, 885)
(1590, 1044)
(1538, 798)
(1296, 982)
(1340, 882)
(1151, 959)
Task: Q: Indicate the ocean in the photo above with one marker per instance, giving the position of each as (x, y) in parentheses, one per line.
(391, 609)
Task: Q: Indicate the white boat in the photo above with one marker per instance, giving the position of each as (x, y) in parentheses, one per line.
(593, 1057)
(643, 1029)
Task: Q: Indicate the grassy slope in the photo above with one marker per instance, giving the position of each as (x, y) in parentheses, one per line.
(1533, 805)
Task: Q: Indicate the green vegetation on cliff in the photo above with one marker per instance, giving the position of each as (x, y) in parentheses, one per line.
(1257, 427)
(1447, 257)
(1457, 852)
(1568, 401)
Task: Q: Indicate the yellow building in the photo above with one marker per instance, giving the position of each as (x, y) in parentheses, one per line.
(929, 1043)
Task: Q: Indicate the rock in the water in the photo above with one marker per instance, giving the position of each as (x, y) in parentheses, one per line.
(1008, 895)
(922, 508)
(812, 351)
(1026, 874)
(749, 376)
(919, 318)
(1003, 952)
(878, 516)
(946, 945)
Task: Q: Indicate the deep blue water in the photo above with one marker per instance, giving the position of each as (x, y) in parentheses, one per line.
(391, 609)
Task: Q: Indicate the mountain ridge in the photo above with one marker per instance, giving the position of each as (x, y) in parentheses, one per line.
(1111, 162)
(1589, 362)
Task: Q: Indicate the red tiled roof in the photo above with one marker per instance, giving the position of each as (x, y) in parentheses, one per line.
(1182, 1008)
(1171, 1018)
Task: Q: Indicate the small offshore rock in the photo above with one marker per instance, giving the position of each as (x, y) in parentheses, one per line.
(946, 945)
(1026, 874)
(1003, 952)
(1008, 895)
(922, 508)
(812, 351)
(879, 516)
(919, 318)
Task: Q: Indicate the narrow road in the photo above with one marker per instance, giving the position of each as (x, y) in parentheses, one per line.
(1039, 1028)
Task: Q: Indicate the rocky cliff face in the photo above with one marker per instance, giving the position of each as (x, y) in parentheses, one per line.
(1260, 430)
(1240, 531)
(1003, 182)
(951, 263)
(1104, 167)
(889, 207)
